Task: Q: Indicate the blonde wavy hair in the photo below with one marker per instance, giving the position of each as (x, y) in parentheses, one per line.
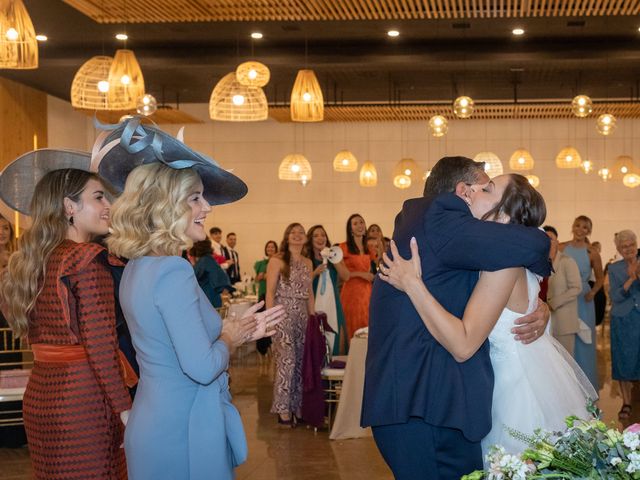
(22, 281)
(153, 213)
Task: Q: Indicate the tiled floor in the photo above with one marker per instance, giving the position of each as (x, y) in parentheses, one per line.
(301, 454)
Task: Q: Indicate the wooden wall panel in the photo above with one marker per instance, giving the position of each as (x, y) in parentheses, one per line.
(23, 114)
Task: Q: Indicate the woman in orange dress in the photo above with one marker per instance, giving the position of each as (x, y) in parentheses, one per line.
(356, 291)
(59, 292)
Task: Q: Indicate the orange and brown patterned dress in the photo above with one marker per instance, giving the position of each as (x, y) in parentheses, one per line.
(76, 390)
(356, 292)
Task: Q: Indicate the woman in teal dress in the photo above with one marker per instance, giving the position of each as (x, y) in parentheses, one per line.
(588, 259)
(325, 287)
(625, 317)
(213, 280)
(183, 425)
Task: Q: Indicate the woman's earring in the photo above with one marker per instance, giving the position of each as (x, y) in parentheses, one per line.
(71, 220)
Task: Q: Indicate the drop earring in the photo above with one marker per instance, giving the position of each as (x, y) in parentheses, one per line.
(71, 220)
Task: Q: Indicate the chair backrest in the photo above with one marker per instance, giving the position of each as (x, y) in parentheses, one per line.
(14, 353)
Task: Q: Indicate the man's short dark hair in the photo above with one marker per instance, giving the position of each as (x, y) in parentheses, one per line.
(214, 230)
(449, 171)
(231, 233)
(549, 228)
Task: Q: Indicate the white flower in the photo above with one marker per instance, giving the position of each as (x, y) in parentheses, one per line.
(631, 440)
(634, 462)
(616, 461)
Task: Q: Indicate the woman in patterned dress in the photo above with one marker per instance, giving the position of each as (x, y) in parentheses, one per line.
(289, 284)
(356, 292)
(59, 292)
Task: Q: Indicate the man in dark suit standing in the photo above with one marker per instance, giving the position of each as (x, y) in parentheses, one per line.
(429, 412)
(232, 258)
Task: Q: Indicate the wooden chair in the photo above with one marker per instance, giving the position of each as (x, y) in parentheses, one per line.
(16, 361)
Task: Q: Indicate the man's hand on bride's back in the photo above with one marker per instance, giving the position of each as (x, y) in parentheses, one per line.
(531, 327)
(399, 272)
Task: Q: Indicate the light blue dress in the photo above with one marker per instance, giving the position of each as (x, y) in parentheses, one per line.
(182, 425)
(585, 353)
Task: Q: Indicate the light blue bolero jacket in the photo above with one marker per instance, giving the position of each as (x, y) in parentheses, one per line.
(183, 425)
(622, 302)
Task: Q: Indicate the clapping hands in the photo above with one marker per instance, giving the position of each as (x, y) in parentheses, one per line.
(264, 323)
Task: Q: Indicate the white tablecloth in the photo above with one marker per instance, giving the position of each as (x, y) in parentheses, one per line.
(347, 422)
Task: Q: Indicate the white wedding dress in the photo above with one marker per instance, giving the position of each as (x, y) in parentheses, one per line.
(536, 385)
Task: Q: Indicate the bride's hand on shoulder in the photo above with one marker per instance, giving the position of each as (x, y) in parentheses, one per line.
(399, 272)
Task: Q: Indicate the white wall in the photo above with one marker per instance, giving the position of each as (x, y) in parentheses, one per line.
(254, 151)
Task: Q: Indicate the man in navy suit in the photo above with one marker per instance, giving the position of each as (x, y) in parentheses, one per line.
(429, 412)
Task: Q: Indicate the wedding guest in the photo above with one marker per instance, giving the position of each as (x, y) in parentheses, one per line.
(588, 260)
(325, 287)
(232, 258)
(356, 291)
(183, 425)
(59, 291)
(374, 232)
(625, 317)
(260, 269)
(215, 234)
(564, 287)
(211, 277)
(289, 285)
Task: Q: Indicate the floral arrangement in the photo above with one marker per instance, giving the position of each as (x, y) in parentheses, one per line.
(587, 450)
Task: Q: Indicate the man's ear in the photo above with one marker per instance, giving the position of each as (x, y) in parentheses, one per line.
(462, 191)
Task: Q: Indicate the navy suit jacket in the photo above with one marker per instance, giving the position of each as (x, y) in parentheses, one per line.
(408, 373)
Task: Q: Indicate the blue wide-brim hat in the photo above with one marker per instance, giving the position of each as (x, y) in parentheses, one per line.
(121, 148)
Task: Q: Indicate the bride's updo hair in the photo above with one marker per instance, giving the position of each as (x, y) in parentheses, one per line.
(522, 203)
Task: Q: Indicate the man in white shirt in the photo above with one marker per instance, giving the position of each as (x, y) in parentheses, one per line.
(219, 250)
(232, 257)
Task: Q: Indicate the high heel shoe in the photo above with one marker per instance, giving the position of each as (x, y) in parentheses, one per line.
(285, 423)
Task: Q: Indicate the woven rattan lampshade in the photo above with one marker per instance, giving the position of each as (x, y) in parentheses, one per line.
(568, 158)
(90, 86)
(307, 102)
(368, 175)
(406, 169)
(232, 102)
(126, 83)
(295, 167)
(631, 180)
(623, 166)
(18, 44)
(345, 161)
(253, 74)
(493, 165)
(521, 159)
(534, 180)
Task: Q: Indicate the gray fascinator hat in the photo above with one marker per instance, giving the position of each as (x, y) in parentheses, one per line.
(19, 179)
(121, 148)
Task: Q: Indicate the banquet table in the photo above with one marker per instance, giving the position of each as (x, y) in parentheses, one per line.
(347, 421)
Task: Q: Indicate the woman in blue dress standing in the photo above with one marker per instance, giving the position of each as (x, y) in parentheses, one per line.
(588, 260)
(183, 425)
(625, 317)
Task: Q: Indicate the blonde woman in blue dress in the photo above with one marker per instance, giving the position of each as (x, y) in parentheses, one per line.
(183, 425)
(536, 385)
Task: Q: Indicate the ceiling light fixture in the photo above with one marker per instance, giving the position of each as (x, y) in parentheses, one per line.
(568, 157)
(231, 101)
(42, 38)
(438, 125)
(256, 35)
(18, 44)
(492, 163)
(463, 107)
(295, 167)
(393, 33)
(122, 36)
(518, 31)
(253, 74)
(606, 124)
(126, 83)
(345, 161)
(368, 175)
(307, 102)
(582, 106)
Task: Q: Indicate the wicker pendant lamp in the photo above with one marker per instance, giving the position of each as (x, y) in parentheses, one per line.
(295, 167)
(345, 161)
(534, 180)
(90, 86)
(622, 166)
(521, 159)
(18, 44)
(404, 172)
(307, 102)
(493, 165)
(126, 83)
(568, 158)
(368, 175)
(232, 102)
(631, 180)
(253, 74)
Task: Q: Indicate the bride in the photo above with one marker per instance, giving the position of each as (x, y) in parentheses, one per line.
(536, 385)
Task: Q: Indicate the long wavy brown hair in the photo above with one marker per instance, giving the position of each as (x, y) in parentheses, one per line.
(21, 282)
(285, 254)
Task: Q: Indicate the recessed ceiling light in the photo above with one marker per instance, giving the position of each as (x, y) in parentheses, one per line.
(256, 35)
(122, 36)
(393, 33)
(518, 31)
(41, 38)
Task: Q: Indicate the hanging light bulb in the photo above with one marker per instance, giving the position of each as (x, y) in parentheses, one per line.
(402, 181)
(587, 166)
(463, 107)
(606, 124)
(103, 86)
(368, 175)
(253, 74)
(295, 167)
(568, 158)
(605, 174)
(631, 180)
(345, 161)
(238, 99)
(521, 159)
(622, 165)
(438, 125)
(147, 105)
(582, 106)
(534, 180)
(12, 34)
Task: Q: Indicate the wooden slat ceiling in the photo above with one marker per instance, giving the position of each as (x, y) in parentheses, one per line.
(157, 11)
(415, 112)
